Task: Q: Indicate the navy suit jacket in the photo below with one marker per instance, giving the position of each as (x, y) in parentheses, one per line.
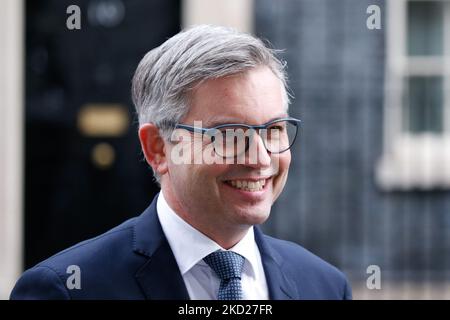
(134, 261)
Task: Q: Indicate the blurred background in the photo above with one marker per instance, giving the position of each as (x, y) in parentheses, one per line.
(370, 178)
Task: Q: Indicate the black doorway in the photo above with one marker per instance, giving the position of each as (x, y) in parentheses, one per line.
(81, 178)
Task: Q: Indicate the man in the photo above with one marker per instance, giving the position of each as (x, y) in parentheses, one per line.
(212, 106)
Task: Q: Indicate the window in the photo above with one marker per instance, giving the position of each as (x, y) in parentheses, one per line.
(416, 143)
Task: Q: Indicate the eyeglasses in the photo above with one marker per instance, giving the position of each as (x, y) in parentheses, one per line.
(233, 139)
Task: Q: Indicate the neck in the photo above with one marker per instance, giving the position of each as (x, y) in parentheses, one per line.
(224, 238)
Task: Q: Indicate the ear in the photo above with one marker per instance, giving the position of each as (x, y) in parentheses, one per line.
(152, 144)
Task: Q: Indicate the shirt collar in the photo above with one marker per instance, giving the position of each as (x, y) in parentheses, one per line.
(190, 246)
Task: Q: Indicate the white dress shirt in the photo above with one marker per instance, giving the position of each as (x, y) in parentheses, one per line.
(190, 246)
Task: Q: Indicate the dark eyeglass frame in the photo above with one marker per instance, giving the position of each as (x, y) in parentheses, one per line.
(266, 125)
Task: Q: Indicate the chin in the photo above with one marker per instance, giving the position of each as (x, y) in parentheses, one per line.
(252, 216)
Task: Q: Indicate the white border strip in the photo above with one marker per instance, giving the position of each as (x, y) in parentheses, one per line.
(11, 142)
(237, 14)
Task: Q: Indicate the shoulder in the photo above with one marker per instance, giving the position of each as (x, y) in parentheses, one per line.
(293, 253)
(314, 276)
(99, 263)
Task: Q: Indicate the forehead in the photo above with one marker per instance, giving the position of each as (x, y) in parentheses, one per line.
(252, 97)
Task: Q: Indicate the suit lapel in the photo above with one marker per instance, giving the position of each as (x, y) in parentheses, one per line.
(279, 282)
(160, 277)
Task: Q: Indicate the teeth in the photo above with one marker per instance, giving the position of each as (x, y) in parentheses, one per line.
(248, 185)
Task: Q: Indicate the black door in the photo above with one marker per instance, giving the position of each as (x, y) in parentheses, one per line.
(84, 169)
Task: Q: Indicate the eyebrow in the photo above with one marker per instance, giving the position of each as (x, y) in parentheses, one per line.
(218, 122)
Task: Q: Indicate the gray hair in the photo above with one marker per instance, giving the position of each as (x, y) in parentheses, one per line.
(166, 74)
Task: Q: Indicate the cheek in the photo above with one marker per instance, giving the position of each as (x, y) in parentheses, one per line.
(202, 175)
(211, 173)
(284, 162)
(178, 174)
(281, 163)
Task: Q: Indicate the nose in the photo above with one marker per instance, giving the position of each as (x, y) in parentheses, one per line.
(257, 155)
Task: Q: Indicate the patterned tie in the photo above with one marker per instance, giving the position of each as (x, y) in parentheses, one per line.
(228, 267)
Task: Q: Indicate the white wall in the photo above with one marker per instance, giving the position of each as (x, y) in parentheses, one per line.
(11, 142)
(237, 14)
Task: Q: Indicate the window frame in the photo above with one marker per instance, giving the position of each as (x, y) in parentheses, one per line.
(412, 160)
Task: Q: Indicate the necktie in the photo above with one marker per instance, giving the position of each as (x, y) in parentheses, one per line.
(228, 267)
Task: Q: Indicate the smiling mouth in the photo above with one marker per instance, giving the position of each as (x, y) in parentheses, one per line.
(248, 185)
